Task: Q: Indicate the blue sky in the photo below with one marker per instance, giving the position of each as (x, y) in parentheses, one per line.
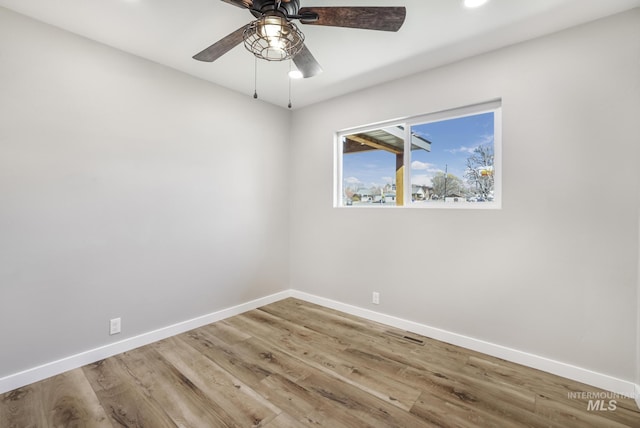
(452, 141)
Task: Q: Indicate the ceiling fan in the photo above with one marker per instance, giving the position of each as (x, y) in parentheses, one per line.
(274, 37)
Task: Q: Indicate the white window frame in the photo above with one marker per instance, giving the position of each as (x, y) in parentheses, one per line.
(493, 106)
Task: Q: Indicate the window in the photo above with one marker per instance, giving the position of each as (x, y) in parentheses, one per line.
(449, 159)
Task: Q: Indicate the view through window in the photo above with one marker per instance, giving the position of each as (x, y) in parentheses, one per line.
(452, 161)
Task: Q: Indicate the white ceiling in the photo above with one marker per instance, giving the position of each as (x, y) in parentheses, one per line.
(435, 32)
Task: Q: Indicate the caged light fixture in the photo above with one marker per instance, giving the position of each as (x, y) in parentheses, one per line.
(273, 38)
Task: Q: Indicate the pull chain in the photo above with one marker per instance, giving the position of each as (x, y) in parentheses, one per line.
(255, 78)
(289, 76)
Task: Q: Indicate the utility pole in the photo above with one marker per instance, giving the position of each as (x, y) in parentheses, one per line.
(444, 198)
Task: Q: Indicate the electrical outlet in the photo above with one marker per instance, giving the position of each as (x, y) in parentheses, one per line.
(376, 298)
(114, 326)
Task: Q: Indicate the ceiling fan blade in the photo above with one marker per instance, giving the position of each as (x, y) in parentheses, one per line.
(222, 46)
(368, 18)
(245, 4)
(306, 63)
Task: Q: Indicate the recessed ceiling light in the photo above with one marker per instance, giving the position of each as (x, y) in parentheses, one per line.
(474, 3)
(295, 74)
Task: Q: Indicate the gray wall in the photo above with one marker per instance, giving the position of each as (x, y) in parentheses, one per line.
(127, 190)
(553, 273)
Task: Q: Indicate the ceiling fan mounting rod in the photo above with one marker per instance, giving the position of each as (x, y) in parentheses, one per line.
(274, 13)
(288, 8)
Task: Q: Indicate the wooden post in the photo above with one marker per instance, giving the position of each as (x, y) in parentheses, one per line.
(400, 179)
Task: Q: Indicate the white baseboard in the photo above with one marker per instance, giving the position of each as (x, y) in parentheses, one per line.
(569, 371)
(599, 380)
(47, 370)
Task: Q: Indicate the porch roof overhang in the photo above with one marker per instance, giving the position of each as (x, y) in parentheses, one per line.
(390, 139)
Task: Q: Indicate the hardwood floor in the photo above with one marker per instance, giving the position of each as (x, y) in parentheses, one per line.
(295, 364)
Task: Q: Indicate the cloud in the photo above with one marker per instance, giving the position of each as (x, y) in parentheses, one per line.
(486, 139)
(387, 179)
(352, 180)
(421, 166)
(462, 149)
(483, 139)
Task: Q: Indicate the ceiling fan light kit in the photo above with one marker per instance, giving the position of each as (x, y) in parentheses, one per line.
(273, 38)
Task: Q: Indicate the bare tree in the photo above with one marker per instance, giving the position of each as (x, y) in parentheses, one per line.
(452, 185)
(479, 173)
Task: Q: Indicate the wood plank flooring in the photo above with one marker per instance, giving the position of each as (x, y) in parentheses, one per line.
(295, 364)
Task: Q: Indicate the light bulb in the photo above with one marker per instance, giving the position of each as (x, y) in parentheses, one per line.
(271, 26)
(295, 74)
